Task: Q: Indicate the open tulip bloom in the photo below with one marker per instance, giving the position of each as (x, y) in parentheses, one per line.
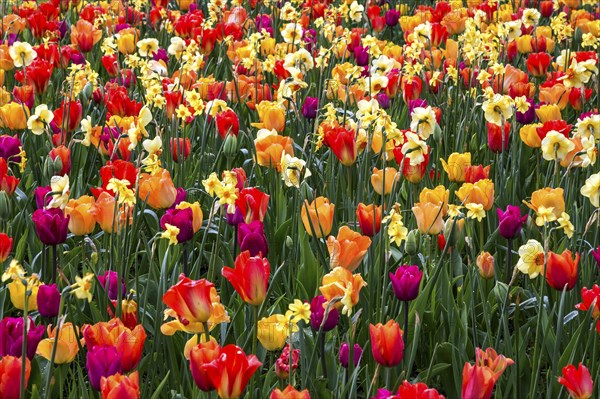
(327, 198)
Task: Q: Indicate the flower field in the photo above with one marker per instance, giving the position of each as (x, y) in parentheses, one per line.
(322, 199)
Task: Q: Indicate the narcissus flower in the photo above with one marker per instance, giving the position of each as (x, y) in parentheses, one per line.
(414, 149)
(22, 54)
(423, 122)
(40, 119)
(347, 249)
(498, 110)
(591, 189)
(531, 259)
(317, 217)
(342, 283)
(250, 277)
(555, 146)
(387, 344)
(577, 381)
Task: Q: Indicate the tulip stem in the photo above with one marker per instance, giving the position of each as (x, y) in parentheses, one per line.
(185, 259)
(54, 264)
(54, 345)
(405, 332)
(23, 386)
(508, 260)
(322, 348)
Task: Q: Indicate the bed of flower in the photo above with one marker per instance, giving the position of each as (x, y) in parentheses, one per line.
(295, 199)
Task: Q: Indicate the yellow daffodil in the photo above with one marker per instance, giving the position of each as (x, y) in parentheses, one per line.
(171, 232)
(476, 211)
(82, 288)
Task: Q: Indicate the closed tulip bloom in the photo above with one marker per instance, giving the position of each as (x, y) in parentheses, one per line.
(498, 138)
(109, 282)
(13, 116)
(190, 299)
(273, 331)
(310, 107)
(289, 393)
(456, 166)
(538, 63)
(82, 215)
(8, 183)
(119, 386)
(182, 219)
(438, 195)
(271, 116)
(201, 354)
(510, 221)
(342, 142)
(250, 277)
(387, 344)
(577, 381)
(417, 391)
(251, 237)
(129, 343)
(317, 217)
(84, 34)
(17, 289)
(102, 361)
(231, 371)
(227, 123)
(561, 270)
(369, 218)
(547, 113)
(6, 243)
(596, 255)
(157, 189)
(529, 135)
(48, 300)
(253, 204)
(429, 217)
(180, 148)
(126, 40)
(11, 336)
(387, 176)
(64, 154)
(475, 173)
(481, 192)
(347, 249)
(344, 354)
(196, 213)
(406, 281)
(317, 314)
(9, 146)
(66, 346)
(10, 376)
(485, 264)
(51, 225)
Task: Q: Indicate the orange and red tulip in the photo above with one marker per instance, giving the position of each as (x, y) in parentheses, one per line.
(577, 381)
(119, 386)
(10, 370)
(387, 344)
(369, 218)
(289, 393)
(561, 270)
(317, 217)
(347, 249)
(203, 353)
(250, 277)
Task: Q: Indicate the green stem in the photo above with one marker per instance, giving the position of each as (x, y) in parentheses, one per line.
(23, 386)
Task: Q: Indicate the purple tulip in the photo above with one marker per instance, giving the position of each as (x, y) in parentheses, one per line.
(161, 54)
(179, 197)
(317, 312)
(182, 219)
(11, 337)
(9, 148)
(383, 100)
(109, 281)
(361, 55)
(235, 218)
(252, 238)
(102, 361)
(344, 354)
(40, 196)
(412, 104)
(392, 17)
(406, 282)
(525, 118)
(510, 221)
(51, 225)
(596, 255)
(48, 300)
(310, 107)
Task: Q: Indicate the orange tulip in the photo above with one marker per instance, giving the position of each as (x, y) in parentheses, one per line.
(438, 195)
(10, 376)
(83, 215)
(369, 218)
(548, 198)
(270, 146)
(387, 176)
(320, 212)
(85, 35)
(271, 115)
(157, 189)
(548, 112)
(289, 393)
(481, 192)
(485, 264)
(6, 62)
(429, 217)
(204, 352)
(479, 379)
(13, 116)
(250, 277)
(105, 214)
(557, 94)
(67, 346)
(387, 344)
(561, 270)
(347, 249)
(341, 282)
(128, 342)
(529, 135)
(119, 386)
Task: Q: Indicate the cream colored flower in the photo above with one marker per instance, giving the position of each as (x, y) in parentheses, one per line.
(476, 211)
(292, 33)
(293, 170)
(60, 191)
(147, 47)
(591, 189)
(531, 259)
(498, 109)
(556, 146)
(22, 54)
(414, 149)
(423, 122)
(40, 119)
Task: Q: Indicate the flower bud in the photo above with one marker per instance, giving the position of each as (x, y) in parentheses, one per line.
(413, 242)
(485, 263)
(5, 208)
(230, 148)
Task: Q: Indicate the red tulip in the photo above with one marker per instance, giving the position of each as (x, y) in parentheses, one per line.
(227, 123)
(369, 219)
(180, 147)
(250, 277)
(201, 354)
(590, 299)
(342, 142)
(231, 371)
(64, 154)
(6, 243)
(479, 379)
(578, 381)
(498, 141)
(10, 376)
(387, 344)
(190, 299)
(474, 173)
(538, 63)
(8, 183)
(252, 203)
(561, 270)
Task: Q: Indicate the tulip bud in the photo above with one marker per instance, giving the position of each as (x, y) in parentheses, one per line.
(56, 165)
(454, 231)
(413, 242)
(88, 91)
(48, 300)
(437, 132)
(230, 148)
(344, 354)
(289, 242)
(485, 263)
